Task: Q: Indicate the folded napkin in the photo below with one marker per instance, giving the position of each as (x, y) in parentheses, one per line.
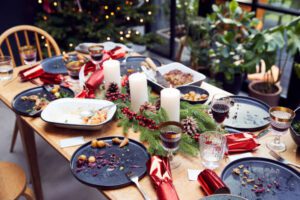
(83, 47)
(241, 142)
(160, 172)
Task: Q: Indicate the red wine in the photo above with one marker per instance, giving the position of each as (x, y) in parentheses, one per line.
(97, 57)
(30, 59)
(279, 129)
(170, 140)
(220, 112)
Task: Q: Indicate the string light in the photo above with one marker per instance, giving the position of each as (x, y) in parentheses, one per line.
(128, 18)
(141, 20)
(147, 1)
(112, 13)
(105, 7)
(40, 1)
(71, 45)
(108, 38)
(121, 38)
(106, 16)
(149, 13)
(118, 8)
(42, 37)
(121, 32)
(45, 17)
(46, 45)
(137, 32)
(55, 3)
(129, 31)
(127, 36)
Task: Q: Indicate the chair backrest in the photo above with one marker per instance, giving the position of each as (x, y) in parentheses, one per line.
(31, 36)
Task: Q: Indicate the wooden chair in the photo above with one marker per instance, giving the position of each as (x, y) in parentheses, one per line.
(30, 35)
(13, 182)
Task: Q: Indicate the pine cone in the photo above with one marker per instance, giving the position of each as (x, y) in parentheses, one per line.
(148, 107)
(112, 88)
(189, 125)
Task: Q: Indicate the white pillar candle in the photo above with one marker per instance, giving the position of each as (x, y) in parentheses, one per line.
(112, 72)
(170, 102)
(138, 90)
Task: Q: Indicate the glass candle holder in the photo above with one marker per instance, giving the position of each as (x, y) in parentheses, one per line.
(28, 54)
(96, 53)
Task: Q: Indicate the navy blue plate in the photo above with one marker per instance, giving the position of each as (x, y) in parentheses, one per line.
(54, 65)
(133, 158)
(223, 197)
(278, 180)
(188, 88)
(22, 107)
(133, 63)
(247, 114)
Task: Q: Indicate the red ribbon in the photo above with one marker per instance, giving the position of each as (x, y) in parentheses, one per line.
(160, 172)
(241, 142)
(211, 183)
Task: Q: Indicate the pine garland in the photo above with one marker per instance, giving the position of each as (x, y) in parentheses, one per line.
(187, 145)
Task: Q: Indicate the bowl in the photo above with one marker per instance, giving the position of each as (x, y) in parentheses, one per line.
(188, 88)
(295, 135)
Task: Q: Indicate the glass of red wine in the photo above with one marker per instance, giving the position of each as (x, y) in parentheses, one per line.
(220, 106)
(96, 53)
(28, 54)
(281, 119)
(170, 135)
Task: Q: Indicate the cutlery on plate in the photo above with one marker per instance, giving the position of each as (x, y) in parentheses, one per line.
(135, 180)
(33, 113)
(89, 113)
(282, 160)
(158, 76)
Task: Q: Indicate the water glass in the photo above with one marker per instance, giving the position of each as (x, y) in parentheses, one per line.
(6, 68)
(28, 53)
(212, 146)
(281, 119)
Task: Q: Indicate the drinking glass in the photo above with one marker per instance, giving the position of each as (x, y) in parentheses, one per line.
(281, 119)
(170, 135)
(212, 146)
(28, 53)
(6, 68)
(220, 106)
(96, 53)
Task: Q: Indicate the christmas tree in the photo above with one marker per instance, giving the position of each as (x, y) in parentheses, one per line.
(71, 22)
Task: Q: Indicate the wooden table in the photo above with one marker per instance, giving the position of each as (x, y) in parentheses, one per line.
(186, 189)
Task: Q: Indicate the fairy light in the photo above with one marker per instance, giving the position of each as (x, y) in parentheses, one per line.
(42, 37)
(121, 32)
(45, 17)
(46, 45)
(147, 1)
(141, 20)
(112, 13)
(149, 13)
(127, 36)
(40, 1)
(105, 7)
(129, 32)
(121, 38)
(137, 32)
(106, 16)
(71, 45)
(55, 3)
(127, 18)
(108, 38)
(118, 8)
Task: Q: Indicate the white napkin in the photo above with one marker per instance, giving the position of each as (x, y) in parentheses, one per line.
(72, 142)
(193, 174)
(238, 156)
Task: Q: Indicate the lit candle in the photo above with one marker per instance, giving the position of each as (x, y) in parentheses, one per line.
(170, 102)
(112, 72)
(138, 90)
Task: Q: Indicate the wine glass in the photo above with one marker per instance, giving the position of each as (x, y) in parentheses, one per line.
(96, 53)
(281, 119)
(28, 53)
(220, 106)
(212, 146)
(6, 68)
(170, 135)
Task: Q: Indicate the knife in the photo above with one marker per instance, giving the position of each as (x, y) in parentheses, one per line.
(160, 79)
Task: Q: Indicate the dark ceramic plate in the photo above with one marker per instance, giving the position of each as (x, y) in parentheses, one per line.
(247, 114)
(54, 65)
(133, 63)
(296, 135)
(278, 180)
(22, 107)
(223, 197)
(133, 156)
(189, 88)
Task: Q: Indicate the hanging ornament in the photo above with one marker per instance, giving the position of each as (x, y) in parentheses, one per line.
(79, 5)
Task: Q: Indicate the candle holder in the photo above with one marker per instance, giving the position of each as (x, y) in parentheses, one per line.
(170, 135)
(28, 54)
(96, 53)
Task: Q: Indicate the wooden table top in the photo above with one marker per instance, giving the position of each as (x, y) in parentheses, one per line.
(186, 189)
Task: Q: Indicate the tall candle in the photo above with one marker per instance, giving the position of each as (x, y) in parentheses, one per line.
(138, 90)
(112, 72)
(170, 102)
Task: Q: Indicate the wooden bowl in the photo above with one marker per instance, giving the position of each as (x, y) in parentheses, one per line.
(189, 88)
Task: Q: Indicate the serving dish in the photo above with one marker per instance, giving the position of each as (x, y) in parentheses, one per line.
(262, 178)
(247, 114)
(295, 135)
(130, 158)
(197, 77)
(66, 113)
(189, 88)
(25, 107)
(133, 63)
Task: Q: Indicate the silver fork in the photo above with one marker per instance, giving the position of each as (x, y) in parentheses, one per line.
(135, 180)
(282, 160)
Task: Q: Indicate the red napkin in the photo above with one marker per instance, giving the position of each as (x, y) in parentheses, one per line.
(211, 183)
(48, 78)
(31, 73)
(160, 172)
(241, 142)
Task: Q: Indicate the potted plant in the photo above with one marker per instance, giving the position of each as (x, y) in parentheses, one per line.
(271, 45)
